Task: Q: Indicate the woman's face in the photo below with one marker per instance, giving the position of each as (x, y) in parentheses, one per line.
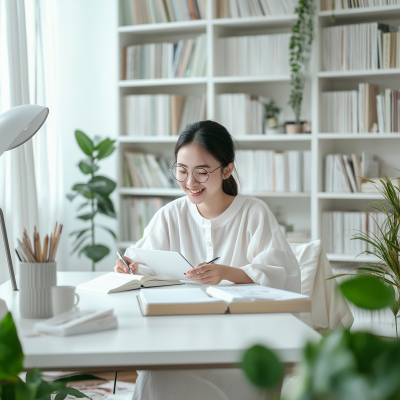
(192, 156)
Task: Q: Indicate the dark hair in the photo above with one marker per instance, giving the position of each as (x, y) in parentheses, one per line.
(216, 140)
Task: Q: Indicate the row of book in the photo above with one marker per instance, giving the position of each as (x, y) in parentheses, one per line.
(254, 8)
(241, 114)
(344, 173)
(162, 114)
(138, 213)
(349, 4)
(365, 110)
(187, 58)
(360, 47)
(338, 228)
(147, 171)
(256, 55)
(274, 171)
(136, 12)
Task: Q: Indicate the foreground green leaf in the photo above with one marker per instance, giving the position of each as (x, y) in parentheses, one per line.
(70, 391)
(102, 185)
(87, 167)
(84, 142)
(105, 148)
(96, 252)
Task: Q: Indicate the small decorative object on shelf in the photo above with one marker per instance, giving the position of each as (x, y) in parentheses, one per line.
(300, 53)
(293, 127)
(271, 118)
(96, 194)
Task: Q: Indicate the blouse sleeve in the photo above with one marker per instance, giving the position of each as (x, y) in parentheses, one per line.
(155, 237)
(271, 260)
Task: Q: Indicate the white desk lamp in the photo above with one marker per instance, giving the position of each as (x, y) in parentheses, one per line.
(17, 126)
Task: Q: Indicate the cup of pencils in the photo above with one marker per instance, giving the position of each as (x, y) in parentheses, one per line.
(37, 272)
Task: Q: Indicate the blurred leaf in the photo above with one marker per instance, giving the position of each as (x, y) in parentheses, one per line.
(69, 391)
(108, 230)
(105, 206)
(80, 377)
(86, 217)
(105, 148)
(77, 231)
(82, 232)
(96, 252)
(84, 143)
(79, 245)
(367, 291)
(71, 196)
(84, 190)
(262, 367)
(83, 205)
(101, 185)
(11, 355)
(87, 167)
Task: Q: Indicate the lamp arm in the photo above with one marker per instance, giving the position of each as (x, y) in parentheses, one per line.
(7, 248)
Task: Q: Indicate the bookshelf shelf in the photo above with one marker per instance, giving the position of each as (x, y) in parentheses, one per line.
(360, 14)
(360, 136)
(170, 27)
(369, 73)
(162, 82)
(159, 192)
(282, 20)
(352, 258)
(349, 196)
(251, 79)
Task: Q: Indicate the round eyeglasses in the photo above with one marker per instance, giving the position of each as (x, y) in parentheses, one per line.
(199, 174)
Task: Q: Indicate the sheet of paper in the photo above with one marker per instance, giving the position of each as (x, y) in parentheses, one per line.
(107, 282)
(176, 296)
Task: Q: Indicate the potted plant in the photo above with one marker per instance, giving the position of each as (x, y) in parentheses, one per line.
(343, 365)
(386, 246)
(271, 116)
(96, 195)
(300, 53)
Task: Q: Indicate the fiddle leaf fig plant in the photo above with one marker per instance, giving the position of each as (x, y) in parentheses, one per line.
(96, 197)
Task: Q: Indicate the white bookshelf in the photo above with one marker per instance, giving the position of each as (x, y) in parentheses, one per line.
(301, 210)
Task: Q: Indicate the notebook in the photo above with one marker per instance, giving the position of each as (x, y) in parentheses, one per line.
(179, 302)
(114, 283)
(260, 299)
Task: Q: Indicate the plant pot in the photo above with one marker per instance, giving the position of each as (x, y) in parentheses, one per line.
(292, 129)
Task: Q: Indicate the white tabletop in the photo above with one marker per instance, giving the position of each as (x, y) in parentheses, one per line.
(216, 341)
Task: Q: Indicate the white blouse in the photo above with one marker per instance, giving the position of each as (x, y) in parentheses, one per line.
(246, 235)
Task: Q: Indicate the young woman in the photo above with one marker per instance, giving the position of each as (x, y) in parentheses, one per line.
(213, 220)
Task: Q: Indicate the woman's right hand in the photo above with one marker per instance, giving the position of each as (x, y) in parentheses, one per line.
(120, 267)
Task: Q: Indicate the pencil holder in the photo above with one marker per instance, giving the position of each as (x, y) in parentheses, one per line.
(35, 283)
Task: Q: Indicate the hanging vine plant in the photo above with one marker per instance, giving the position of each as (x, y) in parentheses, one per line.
(300, 53)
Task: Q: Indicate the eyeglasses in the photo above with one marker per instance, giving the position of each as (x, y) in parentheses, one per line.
(199, 174)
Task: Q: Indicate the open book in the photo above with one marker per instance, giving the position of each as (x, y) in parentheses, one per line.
(114, 283)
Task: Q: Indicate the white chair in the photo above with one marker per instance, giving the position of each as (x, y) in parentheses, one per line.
(329, 309)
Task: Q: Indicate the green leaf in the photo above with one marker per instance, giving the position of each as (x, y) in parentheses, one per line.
(87, 167)
(86, 217)
(367, 291)
(105, 206)
(79, 244)
(84, 142)
(262, 367)
(61, 395)
(102, 185)
(71, 196)
(105, 148)
(83, 205)
(84, 190)
(78, 231)
(108, 230)
(96, 252)
(80, 377)
(11, 355)
(81, 233)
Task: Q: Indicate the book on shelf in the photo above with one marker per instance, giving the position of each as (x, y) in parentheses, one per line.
(114, 282)
(344, 173)
(136, 12)
(187, 58)
(240, 113)
(137, 213)
(251, 8)
(338, 228)
(161, 114)
(348, 5)
(360, 47)
(258, 55)
(274, 171)
(146, 171)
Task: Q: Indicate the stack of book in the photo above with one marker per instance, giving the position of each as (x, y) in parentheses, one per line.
(187, 58)
(241, 114)
(338, 228)
(388, 109)
(274, 171)
(360, 47)
(161, 114)
(138, 213)
(254, 8)
(347, 4)
(344, 173)
(146, 171)
(135, 12)
(258, 55)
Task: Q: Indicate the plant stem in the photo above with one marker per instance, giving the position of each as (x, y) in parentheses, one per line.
(92, 222)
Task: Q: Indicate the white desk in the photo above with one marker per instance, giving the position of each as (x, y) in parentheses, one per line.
(165, 342)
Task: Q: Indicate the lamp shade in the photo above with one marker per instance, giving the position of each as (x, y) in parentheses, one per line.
(19, 124)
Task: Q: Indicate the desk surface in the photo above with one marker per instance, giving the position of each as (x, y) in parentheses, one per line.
(157, 342)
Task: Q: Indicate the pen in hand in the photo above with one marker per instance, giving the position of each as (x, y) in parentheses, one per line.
(123, 260)
(212, 261)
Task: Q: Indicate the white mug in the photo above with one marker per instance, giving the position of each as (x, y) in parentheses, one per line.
(63, 299)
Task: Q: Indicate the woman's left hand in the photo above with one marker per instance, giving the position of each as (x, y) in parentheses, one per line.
(208, 274)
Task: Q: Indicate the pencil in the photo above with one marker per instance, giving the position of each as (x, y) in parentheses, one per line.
(45, 244)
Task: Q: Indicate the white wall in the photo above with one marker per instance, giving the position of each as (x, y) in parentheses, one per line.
(87, 60)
